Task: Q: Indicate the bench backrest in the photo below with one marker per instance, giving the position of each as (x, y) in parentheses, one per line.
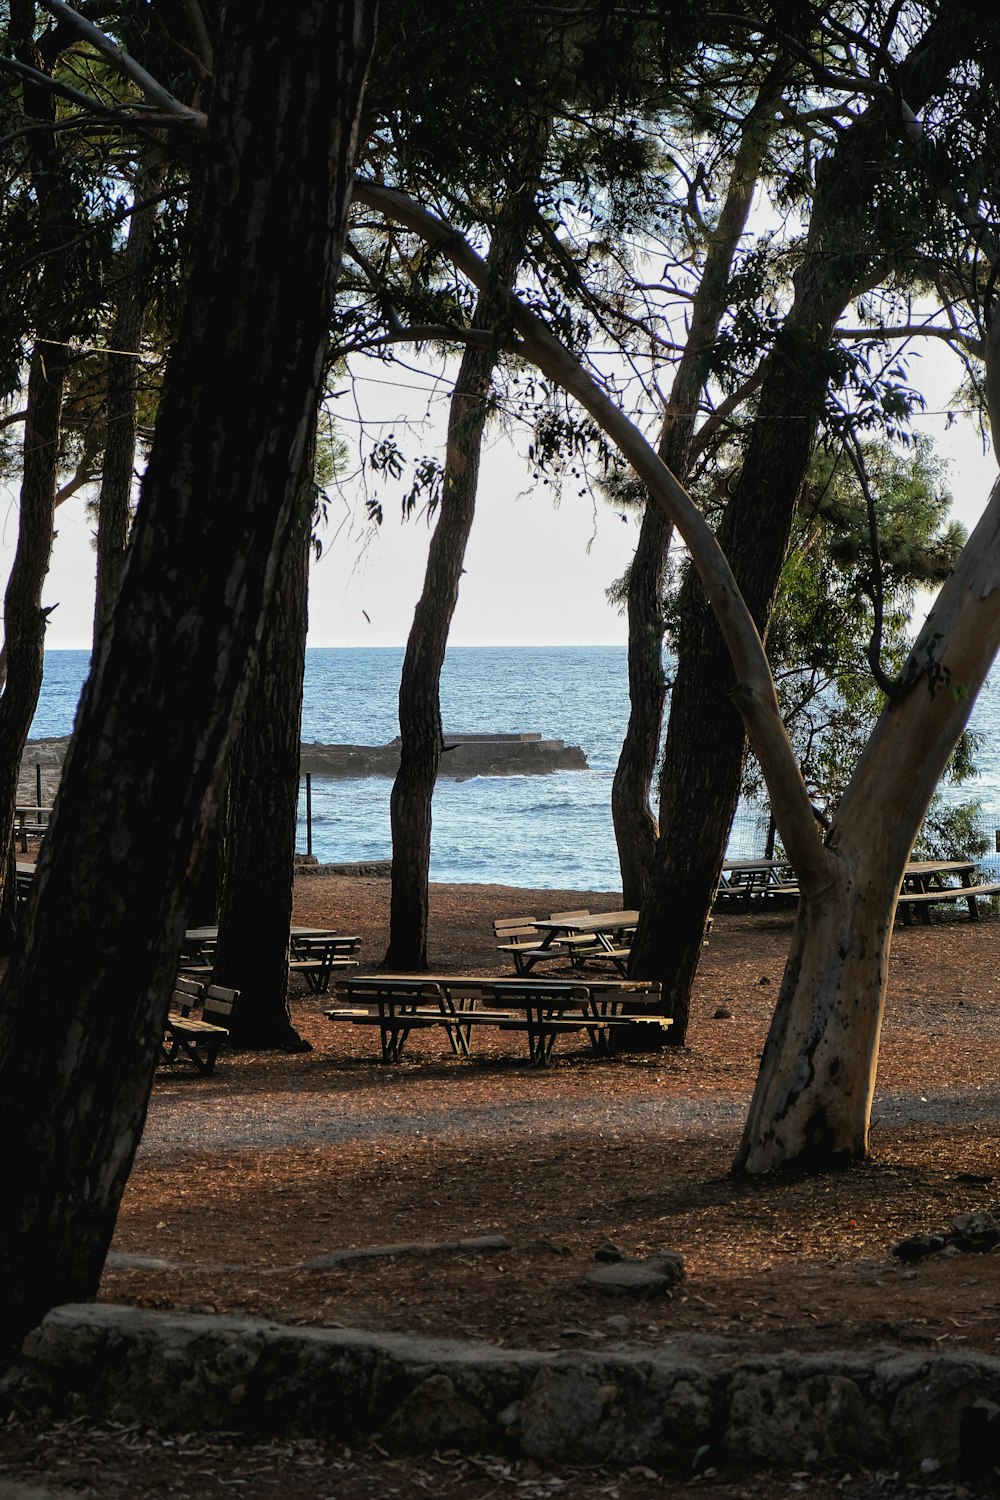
(187, 994)
(568, 916)
(515, 929)
(219, 1004)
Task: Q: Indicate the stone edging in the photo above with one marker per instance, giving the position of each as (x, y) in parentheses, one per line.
(694, 1402)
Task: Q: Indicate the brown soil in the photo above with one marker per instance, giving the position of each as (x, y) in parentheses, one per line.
(340, 1151)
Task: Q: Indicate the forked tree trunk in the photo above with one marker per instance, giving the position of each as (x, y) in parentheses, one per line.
(812, 1103)
(162, 703)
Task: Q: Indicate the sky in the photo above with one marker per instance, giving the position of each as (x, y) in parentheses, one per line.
(537, 565)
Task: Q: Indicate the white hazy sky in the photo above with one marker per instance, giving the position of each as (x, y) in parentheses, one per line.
(535, 573)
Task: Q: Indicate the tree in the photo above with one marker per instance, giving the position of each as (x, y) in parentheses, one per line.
(162, 704)
(419, 691)
(867, 535)
(55, 292)
(858, 223)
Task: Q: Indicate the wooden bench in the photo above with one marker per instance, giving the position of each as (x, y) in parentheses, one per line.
(197, 1039)
(947, 895)
(540, 1009)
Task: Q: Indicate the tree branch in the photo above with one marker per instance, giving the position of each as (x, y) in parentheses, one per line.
(144, 81)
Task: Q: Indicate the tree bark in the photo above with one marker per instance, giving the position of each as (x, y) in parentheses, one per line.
(419, 691)
(159, 711)
(636, 829)
(258, 845)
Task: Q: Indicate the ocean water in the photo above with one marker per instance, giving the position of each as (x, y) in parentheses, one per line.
(533, 831)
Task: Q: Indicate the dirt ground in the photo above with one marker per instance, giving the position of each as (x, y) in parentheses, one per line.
(281, 1159)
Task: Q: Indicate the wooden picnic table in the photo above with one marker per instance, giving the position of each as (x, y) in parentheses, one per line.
(926, 883)
(611, 930)
(30, 819)
(541, 1009)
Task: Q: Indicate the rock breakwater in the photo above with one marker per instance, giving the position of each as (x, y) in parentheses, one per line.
(465, 755)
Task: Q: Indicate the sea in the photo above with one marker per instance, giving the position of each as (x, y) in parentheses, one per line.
(537, 832)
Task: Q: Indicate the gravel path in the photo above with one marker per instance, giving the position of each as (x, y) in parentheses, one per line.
(287, 1119)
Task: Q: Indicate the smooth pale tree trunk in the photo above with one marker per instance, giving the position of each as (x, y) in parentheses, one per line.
(812, 1103)
(114, 506)
(636, 827)
(420, 727)
(82, 1007)
(258, 845)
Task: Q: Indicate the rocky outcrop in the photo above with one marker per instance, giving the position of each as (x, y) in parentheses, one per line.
(465, 755)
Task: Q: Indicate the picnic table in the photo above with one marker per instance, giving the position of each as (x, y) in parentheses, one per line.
(30, 819)
(932, 882)
(315, 953)
(540, 1009)
(745, 882)
(611, 932)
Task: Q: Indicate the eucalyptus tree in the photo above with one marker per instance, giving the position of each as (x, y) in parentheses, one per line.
(160, 708)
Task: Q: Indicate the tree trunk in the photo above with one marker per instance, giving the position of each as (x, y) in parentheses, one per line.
(114, 512)
(159, 711)
(636, 829)
(262, 798)
(812, 1103)
(635, 826)
(419, 689)
(419, 692)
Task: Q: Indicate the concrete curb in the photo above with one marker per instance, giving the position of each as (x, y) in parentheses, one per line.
(690, 1403)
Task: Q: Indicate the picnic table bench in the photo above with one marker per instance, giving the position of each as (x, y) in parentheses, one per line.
(541, 1009)
(748, 884)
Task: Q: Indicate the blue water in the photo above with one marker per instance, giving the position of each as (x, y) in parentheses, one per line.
(532, 831)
